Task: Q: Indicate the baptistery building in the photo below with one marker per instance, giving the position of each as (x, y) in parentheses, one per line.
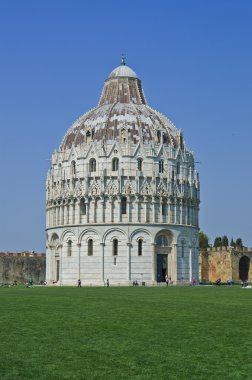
(122, 194)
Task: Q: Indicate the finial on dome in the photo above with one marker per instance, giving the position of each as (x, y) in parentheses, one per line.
(123, 60)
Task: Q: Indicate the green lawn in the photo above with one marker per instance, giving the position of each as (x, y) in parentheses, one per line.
(126, 333)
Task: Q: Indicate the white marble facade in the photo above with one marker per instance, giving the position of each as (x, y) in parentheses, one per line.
(122, 198)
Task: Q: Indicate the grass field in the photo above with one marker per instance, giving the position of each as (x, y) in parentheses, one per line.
(126, 333)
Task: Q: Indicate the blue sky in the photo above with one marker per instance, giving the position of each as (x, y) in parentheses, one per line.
(194, 59)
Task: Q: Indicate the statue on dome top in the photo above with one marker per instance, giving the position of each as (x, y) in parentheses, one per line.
(123, 61)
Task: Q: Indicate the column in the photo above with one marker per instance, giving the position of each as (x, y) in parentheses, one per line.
(128, 207)
(54, 216)
(53, 261)
(181, 212)
(102, 210)
(186, 215)
(94, 210)
(175, 211)
(48, 263)
(62, 214)
(129, 261)
(78, 213)
(49, 216)
(137, 210)
(102, 262)
(111, 209)
(87, 209)
(73, 212)
(78, 263)
(154, 262)
(175, 263)
(60, 268)
(169, 271)
(189, 215)
(69, 210)
(48, 258)
(119, 210)
(90, 215)
(58, 215)
(66, 214)
(190, 263)
(51, 212)
(168, 211)
(197, 216)
(160, 210)
(146, 209)
(153, 209)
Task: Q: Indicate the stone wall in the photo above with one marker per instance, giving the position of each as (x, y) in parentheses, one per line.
(223, 263)
(21, 267)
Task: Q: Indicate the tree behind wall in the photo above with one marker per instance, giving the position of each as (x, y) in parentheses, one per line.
(203, 240)
(218, 242)
(224, 241)
(238, 243)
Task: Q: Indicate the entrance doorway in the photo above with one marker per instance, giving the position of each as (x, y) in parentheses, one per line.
(244, 268)
(162, 261)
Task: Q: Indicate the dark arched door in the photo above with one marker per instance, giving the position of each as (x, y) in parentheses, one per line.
(162, 250)
(244, 268)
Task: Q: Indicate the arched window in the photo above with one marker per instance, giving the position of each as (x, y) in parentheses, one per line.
(161, 166)
(60, 170)
(90, 247)
(140, 247)
(92, 165)
(88, 137)
(178, 168)
(124, 205)
(83, 208)
(164, 208)
(123, 136)
(69, 248)
(73, 167)
(139, 164)
(115, 247)
(159, 137)
(115, 164)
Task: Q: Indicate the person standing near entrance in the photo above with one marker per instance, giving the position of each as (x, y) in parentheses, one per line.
(167, 280)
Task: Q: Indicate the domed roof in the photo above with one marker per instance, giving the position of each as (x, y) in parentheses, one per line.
(123, 71)
(122, 111)
(108, 122)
